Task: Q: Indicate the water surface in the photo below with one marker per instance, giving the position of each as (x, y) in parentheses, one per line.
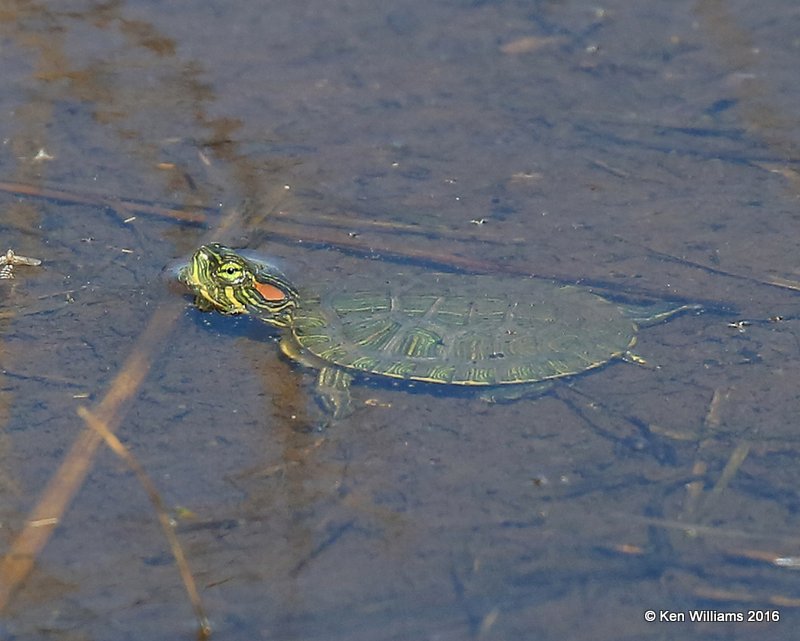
(648, 151)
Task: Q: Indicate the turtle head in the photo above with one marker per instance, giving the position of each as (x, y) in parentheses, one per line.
(223, 280)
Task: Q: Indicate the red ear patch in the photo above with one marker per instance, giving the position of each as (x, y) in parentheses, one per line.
(269, 292)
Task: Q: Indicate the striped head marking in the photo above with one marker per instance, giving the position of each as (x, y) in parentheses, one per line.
(227, 282)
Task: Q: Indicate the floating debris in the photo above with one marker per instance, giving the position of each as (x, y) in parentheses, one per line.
(10, 260)
(527, 44)
(740, 325)
(43, 156)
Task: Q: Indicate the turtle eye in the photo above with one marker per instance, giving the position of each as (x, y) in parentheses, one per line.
(230, 273)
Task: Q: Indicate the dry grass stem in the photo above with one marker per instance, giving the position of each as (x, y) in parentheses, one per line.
(47, 513)
(713, 416)
(129, 207)
(155, 498)
(735, 461)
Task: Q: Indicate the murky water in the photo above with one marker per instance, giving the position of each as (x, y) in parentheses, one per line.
(650, 151)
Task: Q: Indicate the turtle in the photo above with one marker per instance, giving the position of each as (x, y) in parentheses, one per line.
(453, 329)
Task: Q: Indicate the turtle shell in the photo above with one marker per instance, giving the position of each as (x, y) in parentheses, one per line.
(468, 331)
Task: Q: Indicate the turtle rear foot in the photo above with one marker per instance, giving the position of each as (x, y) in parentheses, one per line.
(508, 393)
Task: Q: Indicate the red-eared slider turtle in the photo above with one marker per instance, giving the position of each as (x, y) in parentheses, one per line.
(451, 329)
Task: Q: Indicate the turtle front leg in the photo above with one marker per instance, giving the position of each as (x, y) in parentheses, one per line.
(333, 391)
(333, 383)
